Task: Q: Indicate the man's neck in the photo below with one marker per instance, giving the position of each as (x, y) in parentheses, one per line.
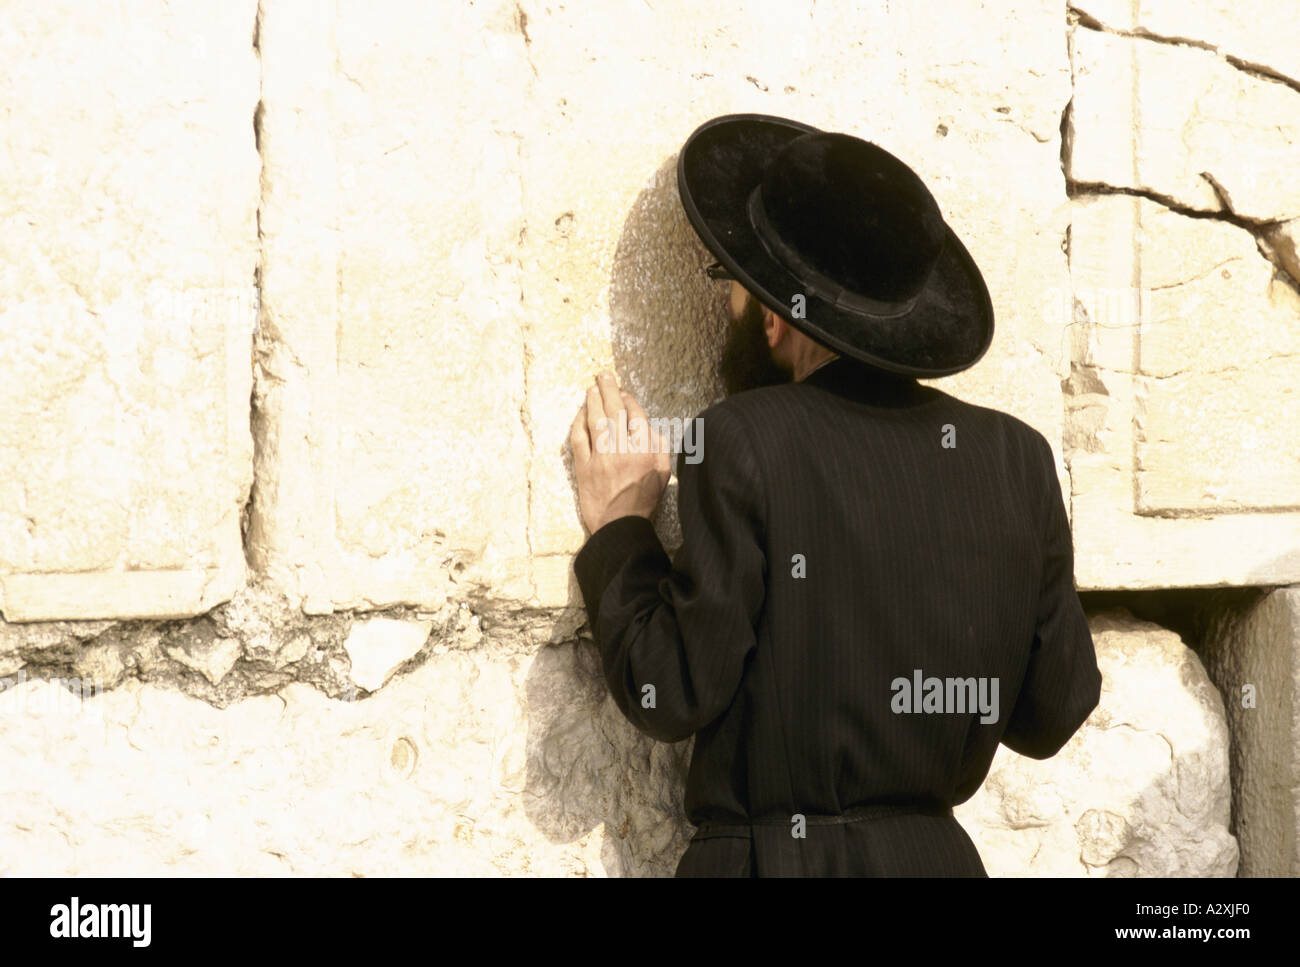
(811, 366)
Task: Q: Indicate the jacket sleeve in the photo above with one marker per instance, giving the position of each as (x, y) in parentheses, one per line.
(684, 628)
(1062, 683)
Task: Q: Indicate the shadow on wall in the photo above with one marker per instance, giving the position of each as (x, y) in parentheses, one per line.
(587, 765)
(667, 318)
(1187, 611)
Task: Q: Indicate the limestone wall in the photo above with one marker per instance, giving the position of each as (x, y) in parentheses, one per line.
(298, 300)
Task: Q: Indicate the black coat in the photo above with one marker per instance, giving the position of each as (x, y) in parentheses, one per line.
(934, 544)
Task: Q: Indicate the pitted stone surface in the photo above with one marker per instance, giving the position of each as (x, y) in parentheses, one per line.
(1254, 658)
(128, 242)
(1142, 789)
(486, 759)
(459, 213)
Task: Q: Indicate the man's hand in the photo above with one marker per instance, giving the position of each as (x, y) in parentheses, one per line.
(619, 473)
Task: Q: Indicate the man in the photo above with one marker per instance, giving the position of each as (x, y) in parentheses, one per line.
(876, 581)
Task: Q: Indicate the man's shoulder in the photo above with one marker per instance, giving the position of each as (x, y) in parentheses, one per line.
(758, 412)
(731, 429)
(1011, 425)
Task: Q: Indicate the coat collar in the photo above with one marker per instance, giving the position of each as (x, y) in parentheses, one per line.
(850, 378)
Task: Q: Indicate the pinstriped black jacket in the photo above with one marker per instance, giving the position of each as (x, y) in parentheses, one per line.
(842, 535)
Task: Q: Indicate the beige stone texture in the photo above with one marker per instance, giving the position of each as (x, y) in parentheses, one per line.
(1141, 790)
(390, 367)
(1182, 123)
(128, 246)
(500, 752)
(457, 214)
(1254, 34)
(1254, 658)
(1180, 436)
(446, 272)
(377, 647)
(488, 759)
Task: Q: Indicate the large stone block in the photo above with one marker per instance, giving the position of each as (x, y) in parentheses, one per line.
(1182, 123)
(496, 753)
(1256, 34)
(391, 355)
(1141, 789)
(489, 759)
(468, 213)
(1254, 658)
(613, 251)
(128, 242)
(1182, 403)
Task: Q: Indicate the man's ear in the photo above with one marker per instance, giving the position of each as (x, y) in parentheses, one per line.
(774, 327)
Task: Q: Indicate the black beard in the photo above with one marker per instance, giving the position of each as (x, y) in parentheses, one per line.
(746, 361)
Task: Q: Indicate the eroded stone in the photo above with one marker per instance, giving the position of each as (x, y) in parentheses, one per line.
(1141, 789)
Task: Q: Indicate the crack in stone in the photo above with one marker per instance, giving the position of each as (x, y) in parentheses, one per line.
(1194, 278)
(1257, 228)
(1212, 372)
(264, 625)
(525, 416)
(257, 371)
(1258, 71)
(521, 18)
(525, 419)
(1067, 143)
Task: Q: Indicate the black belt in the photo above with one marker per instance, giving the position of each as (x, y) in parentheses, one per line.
(854, 814)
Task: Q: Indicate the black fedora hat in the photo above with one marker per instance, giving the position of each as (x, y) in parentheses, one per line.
(790, 210)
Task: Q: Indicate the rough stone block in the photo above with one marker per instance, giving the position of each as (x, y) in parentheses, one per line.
(1258, 34)
(1181, 402)
(1254, 658)
(486, 762)
(1142, 788)
(391, 355)
(128, 242)
(448, 263)
(1184, 124)
(378, 646)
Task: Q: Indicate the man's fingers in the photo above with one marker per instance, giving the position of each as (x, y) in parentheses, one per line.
(639, 426)
(664, 460)
(579, 438)
(650, 441)
(609, 394)
(633, 407)
(595, 411)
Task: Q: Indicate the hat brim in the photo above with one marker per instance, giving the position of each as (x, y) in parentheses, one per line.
(948, 329)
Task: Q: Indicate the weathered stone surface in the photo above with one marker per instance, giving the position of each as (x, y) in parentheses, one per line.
(465, 213)
(1156, 117)
(377, 647)
(128, 243)
(609, 247)
(491, 760)
(1254, 33)
(212, 657)
(252, 645)
(390, 359)
(64, 639)
(1181, 402)
(423, 340)
(1281, 245)
(1254, 658)
(1141, 789)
